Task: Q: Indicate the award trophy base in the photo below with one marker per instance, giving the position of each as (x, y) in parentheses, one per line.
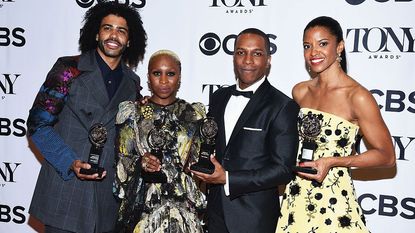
(92, 171)
(208, 131)
(307, 154)
(93, 160)
(154, 177)
(204, 166)
(308, 170)
(158, 176)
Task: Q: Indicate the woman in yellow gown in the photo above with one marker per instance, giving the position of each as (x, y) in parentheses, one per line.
(334, 109)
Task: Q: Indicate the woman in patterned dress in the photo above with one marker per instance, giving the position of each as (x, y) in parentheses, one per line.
(334, 108)
(170, 125)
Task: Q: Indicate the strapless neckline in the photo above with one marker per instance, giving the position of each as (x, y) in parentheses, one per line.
(330, 114)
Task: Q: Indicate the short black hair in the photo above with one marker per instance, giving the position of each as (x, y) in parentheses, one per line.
(334, 28)
(259, 33)
(134, 53)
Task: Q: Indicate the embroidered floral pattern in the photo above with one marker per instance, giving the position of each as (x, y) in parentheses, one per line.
(329, 206)
(52, 96)
(155, 207)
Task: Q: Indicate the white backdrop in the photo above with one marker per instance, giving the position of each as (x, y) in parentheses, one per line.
(379, 38)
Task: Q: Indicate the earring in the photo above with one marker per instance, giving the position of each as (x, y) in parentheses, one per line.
(308, 69)
(339, 58)
(178, 86)
(96, 38)
(128, 44)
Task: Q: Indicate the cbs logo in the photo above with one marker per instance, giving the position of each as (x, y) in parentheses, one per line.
(395, 100)
(210, 43)
(14, 127)
(12, 36)
(12, 214)
(388, 205)
(89, 3)
(358, 2)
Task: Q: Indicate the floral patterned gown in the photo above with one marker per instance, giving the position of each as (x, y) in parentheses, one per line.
(330, 206)
(158, 207)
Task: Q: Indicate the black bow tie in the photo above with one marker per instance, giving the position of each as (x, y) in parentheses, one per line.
(246, 94)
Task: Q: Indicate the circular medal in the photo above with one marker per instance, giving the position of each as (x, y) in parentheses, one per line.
(310, 125)
(156, 138)
(98, 135)
(208, 128)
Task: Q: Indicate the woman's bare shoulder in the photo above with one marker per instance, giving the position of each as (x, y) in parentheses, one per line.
(300, 89)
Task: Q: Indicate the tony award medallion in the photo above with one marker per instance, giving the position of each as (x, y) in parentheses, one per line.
(156, 140)
(208, 131)
(97, 136)
(310, 128)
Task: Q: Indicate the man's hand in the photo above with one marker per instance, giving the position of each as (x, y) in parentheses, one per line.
(150, 163)
(217, 177)
(76, 167)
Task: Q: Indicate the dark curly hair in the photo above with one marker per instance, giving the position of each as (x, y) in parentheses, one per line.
(334, 28)
(137, 35)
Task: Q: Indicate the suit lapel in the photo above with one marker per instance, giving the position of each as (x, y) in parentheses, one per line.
(221, 140)
(250, 108)
(124, 92)
(93, 79)
(94, 82)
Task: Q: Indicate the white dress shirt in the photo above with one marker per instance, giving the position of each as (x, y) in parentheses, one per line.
(233, 111)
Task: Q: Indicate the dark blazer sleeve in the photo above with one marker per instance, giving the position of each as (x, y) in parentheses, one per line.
(44, 114)
(282, 143)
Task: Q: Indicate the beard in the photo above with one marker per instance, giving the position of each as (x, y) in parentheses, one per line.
(113, 53)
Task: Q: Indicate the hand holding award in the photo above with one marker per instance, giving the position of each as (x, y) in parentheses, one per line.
(97, 136)
(208, 131)
(156, 140)
(310, 128)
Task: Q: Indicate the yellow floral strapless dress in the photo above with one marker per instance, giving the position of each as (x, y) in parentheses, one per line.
(330, 206)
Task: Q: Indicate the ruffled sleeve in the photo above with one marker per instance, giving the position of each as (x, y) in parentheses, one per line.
(128, 185)
(200, 110)
(126, 147)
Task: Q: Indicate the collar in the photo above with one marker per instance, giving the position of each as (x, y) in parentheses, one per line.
(105, 69)
(253, 87)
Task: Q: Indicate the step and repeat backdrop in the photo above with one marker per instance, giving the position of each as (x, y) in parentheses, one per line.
(379, 36)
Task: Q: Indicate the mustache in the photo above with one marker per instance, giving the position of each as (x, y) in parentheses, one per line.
(113, 41)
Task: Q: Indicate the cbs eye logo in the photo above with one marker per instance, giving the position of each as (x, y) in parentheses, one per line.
(210, 43)
(358, 2)
(88, 3)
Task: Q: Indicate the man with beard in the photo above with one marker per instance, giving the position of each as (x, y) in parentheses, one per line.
(72, 121)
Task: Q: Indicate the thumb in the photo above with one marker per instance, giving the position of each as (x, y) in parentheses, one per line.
(213, 160)
(84, 165)
(307, 164)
